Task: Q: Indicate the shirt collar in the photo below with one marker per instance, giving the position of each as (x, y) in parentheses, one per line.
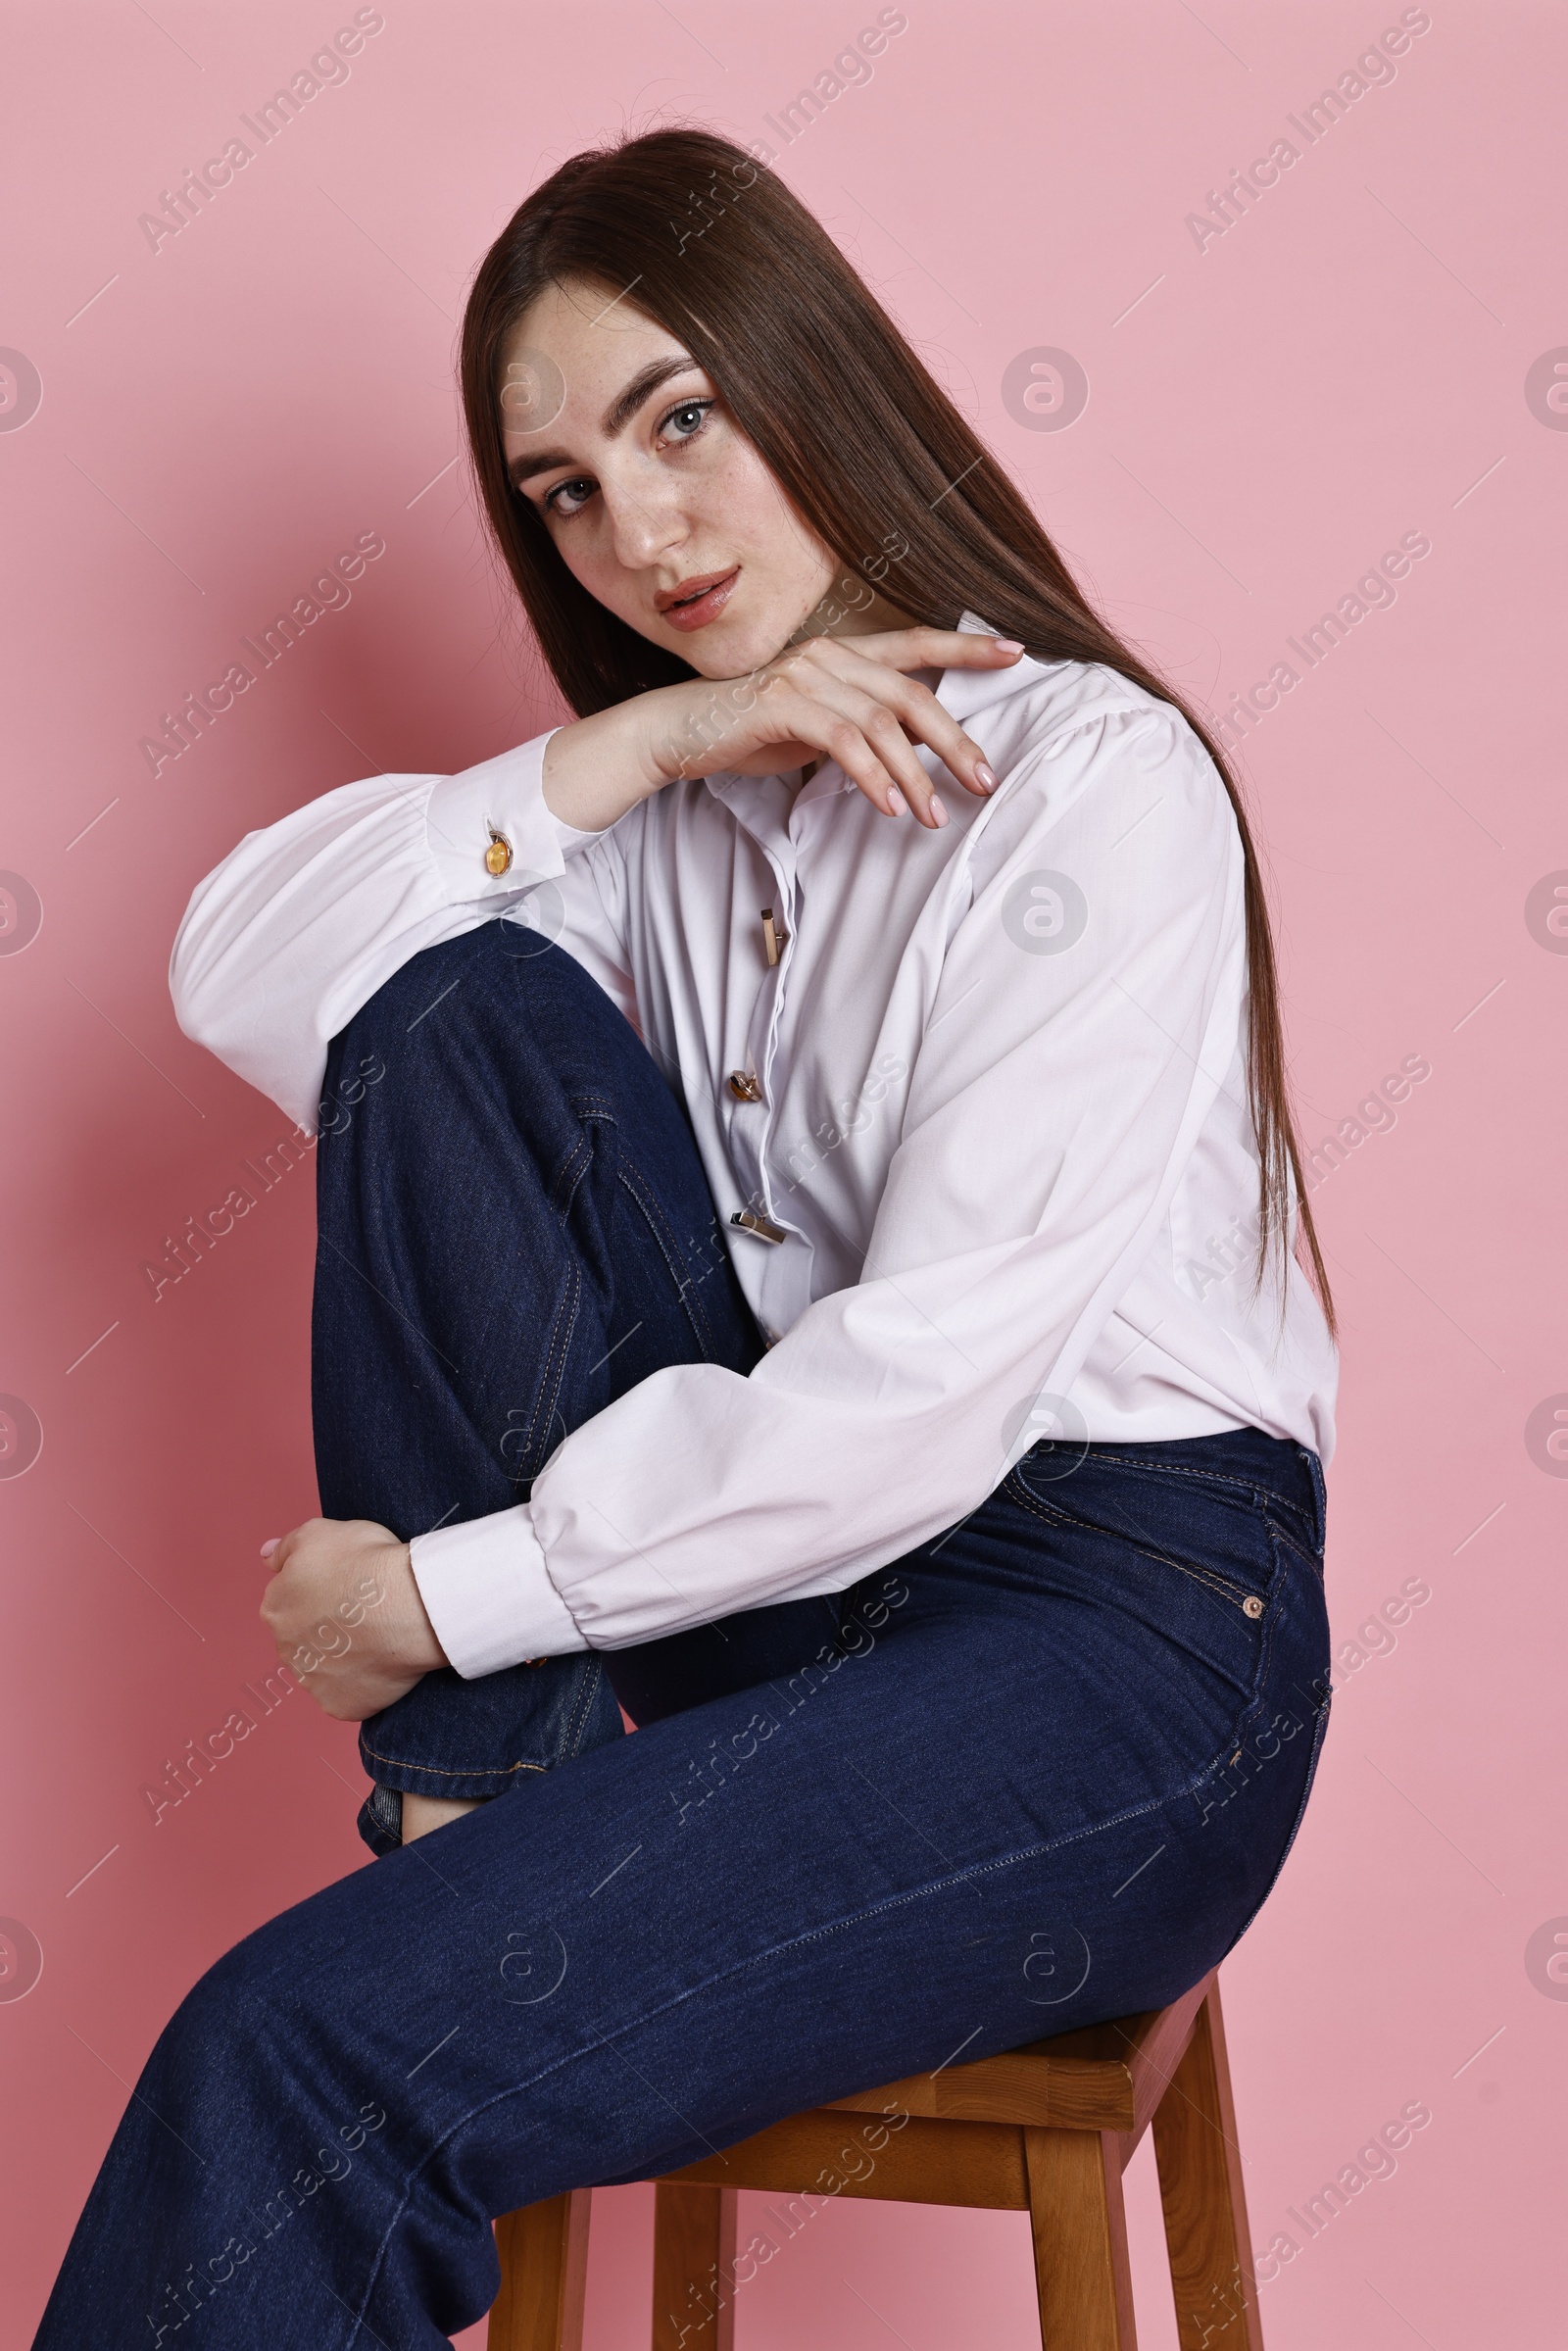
(963, 692)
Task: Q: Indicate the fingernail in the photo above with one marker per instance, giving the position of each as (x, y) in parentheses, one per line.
(1009, 645)
(897, 806)
(985, 777)
(939, 815)
(271, 1545)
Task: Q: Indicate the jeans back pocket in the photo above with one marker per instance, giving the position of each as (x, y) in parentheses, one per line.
(1197, 1564)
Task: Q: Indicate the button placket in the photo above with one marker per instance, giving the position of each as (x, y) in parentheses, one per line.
(768, 1019)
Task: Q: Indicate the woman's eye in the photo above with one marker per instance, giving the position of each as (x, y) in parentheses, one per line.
(568, 496)
(688, 420)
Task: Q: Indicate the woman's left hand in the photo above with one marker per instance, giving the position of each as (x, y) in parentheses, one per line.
(346, 1614)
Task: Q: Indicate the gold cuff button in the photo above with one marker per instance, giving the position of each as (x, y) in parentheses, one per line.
(497, 856)
(744, 1086)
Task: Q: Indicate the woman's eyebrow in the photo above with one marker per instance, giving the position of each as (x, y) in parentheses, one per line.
(617, 417)
(647, 379)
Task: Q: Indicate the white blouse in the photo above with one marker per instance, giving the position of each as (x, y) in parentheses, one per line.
(1001, 1131)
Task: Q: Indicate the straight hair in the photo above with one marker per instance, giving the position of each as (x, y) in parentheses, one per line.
(861, 439)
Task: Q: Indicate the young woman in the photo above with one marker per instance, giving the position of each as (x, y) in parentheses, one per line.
(808, 1215)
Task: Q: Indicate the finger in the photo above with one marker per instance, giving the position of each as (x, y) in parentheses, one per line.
(922, 717)
(866, 740)
(283, 1550)
(881, 728)
(934, 648)
(279, 1549)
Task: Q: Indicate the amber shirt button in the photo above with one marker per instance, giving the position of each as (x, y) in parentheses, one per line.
(497, 856)
(744, 1086)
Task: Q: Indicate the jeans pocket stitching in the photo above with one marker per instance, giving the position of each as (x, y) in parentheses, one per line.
(568, 1175)
(1257, 1488)
(1211, 1581)
(668, 1248)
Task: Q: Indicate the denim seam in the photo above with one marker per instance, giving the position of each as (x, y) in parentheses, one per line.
(583, 1707)
(1221, 1586)
(562, 1191)
(653, 1213)
(1278, 1580)
(468, 1771)
(761, 1958)
(1318, 1735)
(555, 1371)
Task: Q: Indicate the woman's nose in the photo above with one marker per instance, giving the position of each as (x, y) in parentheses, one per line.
(645, 523)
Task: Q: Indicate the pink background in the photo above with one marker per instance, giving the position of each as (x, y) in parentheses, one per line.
(1266, 415)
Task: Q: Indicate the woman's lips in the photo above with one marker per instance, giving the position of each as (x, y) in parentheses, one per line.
(706, 604)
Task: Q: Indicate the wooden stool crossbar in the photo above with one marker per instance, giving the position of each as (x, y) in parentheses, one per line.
(1046, 2130)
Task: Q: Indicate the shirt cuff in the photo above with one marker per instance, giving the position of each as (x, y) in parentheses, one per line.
(506, 792)
(488, 1594)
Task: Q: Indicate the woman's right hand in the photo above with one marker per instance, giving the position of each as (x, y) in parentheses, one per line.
(850, 698)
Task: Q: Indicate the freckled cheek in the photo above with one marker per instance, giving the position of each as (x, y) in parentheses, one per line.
(781, 560)
(590, 555)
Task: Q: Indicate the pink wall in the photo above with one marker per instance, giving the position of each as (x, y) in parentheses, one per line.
(1366, 353)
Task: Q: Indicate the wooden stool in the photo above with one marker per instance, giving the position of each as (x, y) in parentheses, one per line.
(1047, 2129)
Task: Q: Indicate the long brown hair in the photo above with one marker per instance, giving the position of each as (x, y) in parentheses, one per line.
(715, 248)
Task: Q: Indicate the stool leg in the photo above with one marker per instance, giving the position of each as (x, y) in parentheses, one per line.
(544, 2272)
(1080, 2232)
(694, 2268)
(1201, 2188)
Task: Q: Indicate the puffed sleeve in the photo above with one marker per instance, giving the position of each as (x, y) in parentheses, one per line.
(300, 925)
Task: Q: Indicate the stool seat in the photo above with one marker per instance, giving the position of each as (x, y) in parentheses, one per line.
(1047, 2129)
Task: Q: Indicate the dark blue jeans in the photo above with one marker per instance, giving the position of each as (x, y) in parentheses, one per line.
(515, 1229)
(1040, 1771)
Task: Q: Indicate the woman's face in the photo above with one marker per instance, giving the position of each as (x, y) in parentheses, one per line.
(657, 502)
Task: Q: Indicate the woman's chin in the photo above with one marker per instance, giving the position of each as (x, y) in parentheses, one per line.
(733, 645)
